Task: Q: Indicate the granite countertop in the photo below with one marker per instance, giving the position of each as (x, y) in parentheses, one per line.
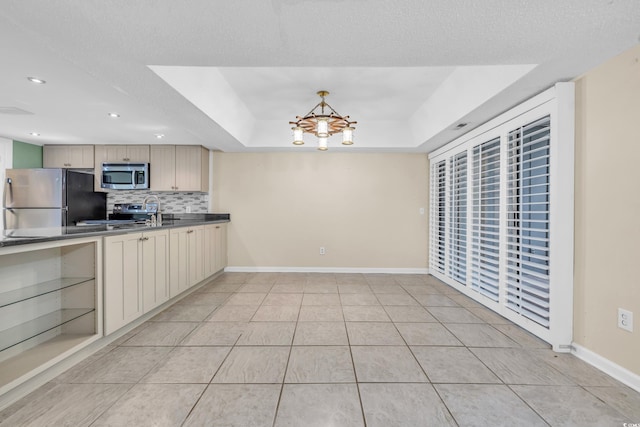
(74, 232)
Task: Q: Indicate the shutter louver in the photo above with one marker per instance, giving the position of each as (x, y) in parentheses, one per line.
(528, 221)
(438, 217)
(485, 226)
(458, 217)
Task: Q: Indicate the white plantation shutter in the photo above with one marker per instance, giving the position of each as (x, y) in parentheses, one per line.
(485, 226)
(438, 218)
(502, 214)
(528, 221)
(458, 217)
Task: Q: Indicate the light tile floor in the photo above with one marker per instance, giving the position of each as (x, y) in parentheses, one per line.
(327, 349)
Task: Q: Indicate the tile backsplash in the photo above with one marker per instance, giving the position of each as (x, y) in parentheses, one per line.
(171, 202)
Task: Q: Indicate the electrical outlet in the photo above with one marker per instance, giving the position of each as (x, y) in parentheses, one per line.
(625, 319)
(187, 209)
(322, 250)
(421, 211)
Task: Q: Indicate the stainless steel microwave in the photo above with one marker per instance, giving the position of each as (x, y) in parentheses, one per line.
(125, 176)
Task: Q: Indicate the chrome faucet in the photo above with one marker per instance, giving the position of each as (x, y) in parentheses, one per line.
(158, 214)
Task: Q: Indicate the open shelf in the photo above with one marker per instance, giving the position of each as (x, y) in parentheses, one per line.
(50, 306)
(39, 358)
(34, 291)
(40, 325)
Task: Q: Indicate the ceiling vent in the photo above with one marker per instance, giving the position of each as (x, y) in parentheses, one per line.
(14, 111)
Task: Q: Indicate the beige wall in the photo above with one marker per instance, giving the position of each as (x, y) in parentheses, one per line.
(363, 208)
(607, 208)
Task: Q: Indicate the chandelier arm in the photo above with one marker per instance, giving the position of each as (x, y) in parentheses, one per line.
(332, 110)
(313, 109)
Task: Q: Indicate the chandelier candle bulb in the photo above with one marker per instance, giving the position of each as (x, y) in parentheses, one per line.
(323, 144)
(347, 136)
(297, 135)
(323, 128)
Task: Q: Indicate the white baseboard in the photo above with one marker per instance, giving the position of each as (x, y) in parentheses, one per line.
(616, 371)
(236, 269)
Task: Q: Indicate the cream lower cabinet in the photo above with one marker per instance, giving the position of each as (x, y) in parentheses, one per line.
(155, 269)
(135, 276)
(187, 258)
(215, 248)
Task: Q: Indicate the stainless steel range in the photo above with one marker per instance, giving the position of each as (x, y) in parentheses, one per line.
(124, 211)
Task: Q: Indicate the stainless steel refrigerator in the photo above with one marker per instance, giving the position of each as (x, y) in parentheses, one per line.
(42, 202)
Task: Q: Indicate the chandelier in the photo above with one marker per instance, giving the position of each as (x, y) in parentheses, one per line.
(323, 125)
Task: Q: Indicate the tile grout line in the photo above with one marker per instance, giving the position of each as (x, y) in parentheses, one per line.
(286, 367)
(353, 365)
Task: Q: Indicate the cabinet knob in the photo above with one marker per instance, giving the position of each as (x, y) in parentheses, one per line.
(217, 226)
(190, 231)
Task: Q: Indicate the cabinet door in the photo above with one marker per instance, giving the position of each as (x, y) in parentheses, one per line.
(81, 156)
(155, 269)
(209, 251)
(99, 157)
(115, 153)
(196, 254)
(162, 167)
(55, 156)
(137, 153)
(188, 168)
(122, 278)
(220, 247)
(178, 265)
(204, 170)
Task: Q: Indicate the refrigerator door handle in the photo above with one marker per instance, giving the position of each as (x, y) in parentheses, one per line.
(8, 191)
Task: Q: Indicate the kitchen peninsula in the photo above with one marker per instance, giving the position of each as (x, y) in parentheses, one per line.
(61, 293)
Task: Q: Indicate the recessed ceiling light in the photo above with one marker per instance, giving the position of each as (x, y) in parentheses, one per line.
(159, 135)
(114, 115)
(34, 134)
(36, 80)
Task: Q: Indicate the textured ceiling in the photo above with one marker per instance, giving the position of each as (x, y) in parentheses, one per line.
(384, 63)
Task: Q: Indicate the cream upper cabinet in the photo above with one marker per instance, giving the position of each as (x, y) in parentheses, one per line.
(162, 172)
(121, 153)
(179, 168)
(68, 156)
